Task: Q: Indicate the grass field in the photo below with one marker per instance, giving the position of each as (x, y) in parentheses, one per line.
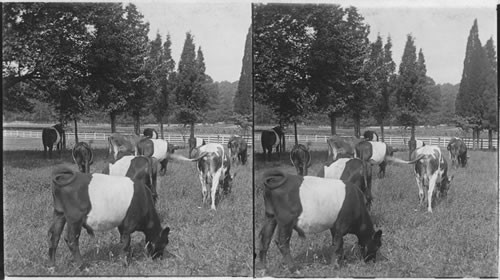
(459, 239)
(204, 242)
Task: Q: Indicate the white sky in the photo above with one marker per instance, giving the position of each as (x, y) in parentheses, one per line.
(439, 27)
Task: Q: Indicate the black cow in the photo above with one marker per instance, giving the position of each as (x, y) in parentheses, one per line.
(51, 136)
(273, 138)
(370, 135)
(121, 145)
(136, 168)
(237, 147)
(101, 202)
(292, 203)
(300, 158)
(83, 156)
(341, 147)
(150, 133)
(458, 152)
(194, 143)
(351, 170)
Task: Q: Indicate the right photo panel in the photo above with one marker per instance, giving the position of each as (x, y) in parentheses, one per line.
(375, 140)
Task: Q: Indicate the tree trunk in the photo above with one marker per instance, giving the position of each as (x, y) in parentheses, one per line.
(76, 131)
(161, 129)
(296, 137)
(412, 143)
(490, 139)
(357, 126)
(478, 136)
(333, 123)
(382, 131)
(191, 132)
(137, 123)
(112, 117)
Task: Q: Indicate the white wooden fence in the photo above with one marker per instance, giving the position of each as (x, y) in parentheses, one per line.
(396, 141)
(83, 136)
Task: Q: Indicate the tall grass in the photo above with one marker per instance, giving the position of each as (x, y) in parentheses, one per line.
(459, 239)
(204, 242)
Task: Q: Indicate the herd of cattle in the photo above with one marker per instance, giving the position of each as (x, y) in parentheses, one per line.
(339, 197)
(124, 194)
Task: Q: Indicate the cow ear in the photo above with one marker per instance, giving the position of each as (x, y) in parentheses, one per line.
(164, 234)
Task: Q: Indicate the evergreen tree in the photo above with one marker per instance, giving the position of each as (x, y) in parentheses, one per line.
(491, 100)
(470, 99)
(411, 98)
(243, 100)
(191, 99)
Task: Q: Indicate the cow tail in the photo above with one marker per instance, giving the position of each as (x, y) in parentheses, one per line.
(73, 155)
(63, 176)
(110, 149)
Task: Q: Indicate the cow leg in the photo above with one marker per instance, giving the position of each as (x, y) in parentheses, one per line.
(420, 186)
(337, 243)
(50, 151)
(266, 235)
(430, 192)
(381, 172)
(163, 167)
(204, 192)
(72, 237)
(284, 236)
(54, 235)
(44, 151)
(215, 184)
(125, 252)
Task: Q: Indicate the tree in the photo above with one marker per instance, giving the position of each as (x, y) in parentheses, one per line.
(243, 98)
(411, 98)
(491, 100)
(191, 99)
(162, 78)
(280, 47)
(470, 98)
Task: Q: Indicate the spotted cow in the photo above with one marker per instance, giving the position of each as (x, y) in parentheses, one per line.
(310, 204)
(99, 202)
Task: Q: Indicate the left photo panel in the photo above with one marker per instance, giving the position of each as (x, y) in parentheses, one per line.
(127, 139)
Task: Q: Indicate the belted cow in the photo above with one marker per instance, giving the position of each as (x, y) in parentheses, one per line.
(150, 133)
(99, 202)
(157, 148)
(351, 170)
(83, 156)
(312, 205)
(341, 147)
(141, 168)
(51, 136)
(121, 145)
(301, 159)
(376, 153)
(458, 152)
(237, 147)
(431, 173)
(213, 167)
(194, 143)
(274, 138)
(370, 135)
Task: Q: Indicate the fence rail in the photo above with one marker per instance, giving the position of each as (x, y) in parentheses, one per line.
(397, 141)
(175, 139)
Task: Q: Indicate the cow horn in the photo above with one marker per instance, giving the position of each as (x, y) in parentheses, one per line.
(63, 176)
(397, 160)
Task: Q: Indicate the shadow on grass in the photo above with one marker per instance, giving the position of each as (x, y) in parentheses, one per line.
(36, 159)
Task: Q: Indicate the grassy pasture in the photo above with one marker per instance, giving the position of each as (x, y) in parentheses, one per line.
(459, 239)
(204, 242)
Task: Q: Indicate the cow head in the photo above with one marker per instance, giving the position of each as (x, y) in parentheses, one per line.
(370, 252)
(444, 186)
(156, 247)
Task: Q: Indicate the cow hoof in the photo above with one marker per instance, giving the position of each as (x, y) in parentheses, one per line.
(84, 266)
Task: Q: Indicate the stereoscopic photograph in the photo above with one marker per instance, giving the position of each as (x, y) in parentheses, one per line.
(250, 139)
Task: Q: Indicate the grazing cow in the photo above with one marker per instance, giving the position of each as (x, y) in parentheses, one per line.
(370, 135)
(312, 205)
(127, 142)
(150, 133)
(274, 138)
(136, 168)
(341, 147)
(301, 159)
(351, 170)
(458, 152)
(83, 156)
(101, 202)
(431, 173)
(51, 136)
(214, 167)
(376, 153)
(195, 143)
(157, 148)
(237, 147)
